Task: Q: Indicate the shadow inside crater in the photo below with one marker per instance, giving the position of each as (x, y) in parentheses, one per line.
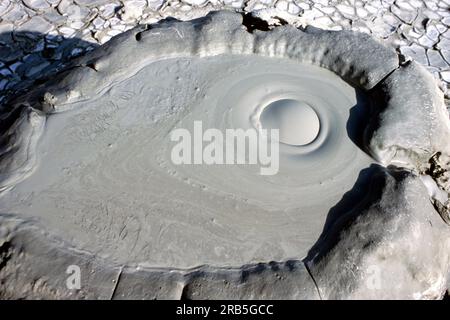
(359, 119)
(353, 202)
(363, 192)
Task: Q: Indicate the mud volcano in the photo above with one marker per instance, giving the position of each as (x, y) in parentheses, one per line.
(357, 208)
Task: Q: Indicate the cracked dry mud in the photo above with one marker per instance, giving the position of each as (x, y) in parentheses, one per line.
(371, 197)
(37, 35)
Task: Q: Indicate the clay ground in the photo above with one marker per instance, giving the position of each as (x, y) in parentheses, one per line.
(38, 35)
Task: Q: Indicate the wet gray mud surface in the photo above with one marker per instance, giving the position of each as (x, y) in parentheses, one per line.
(358, 209)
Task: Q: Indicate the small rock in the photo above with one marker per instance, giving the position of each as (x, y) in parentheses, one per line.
(155, 4)
(76, 52)
(416, 53)
(444, 44)
(381, 29)
(13, 67)
(119, 27)
(282, 5)
(444, 4)
(53, 38)
(16, 15)
(3, 84)
(446, 34)
(441, 28)
(37, 24)
(4, 7)
(391, 20)
(109, 10)
(40, 45)
(409, 33)
(362, 13)
(426, 42)
(51, 44)
(186, 8)
(54, 18)
(446, 21)
(404, 15)
(114, 21)
(345, 23)
(63, 5)
(133, 9)
(102, 36)
(89, 39)
(77, 25)
(105, 39)
(76, 13)
(431, 14)
(431, 5)
(293, 8)
(432, 33)
(435, 60)
(346, 11)
(67, 32)
(443, 13)
(30, 12)
(446, 55)
(446, 76)
(36, 4)
(5, 72)
(98, 23)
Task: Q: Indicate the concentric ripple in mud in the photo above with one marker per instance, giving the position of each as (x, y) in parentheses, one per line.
(113, 189)
(86, 156)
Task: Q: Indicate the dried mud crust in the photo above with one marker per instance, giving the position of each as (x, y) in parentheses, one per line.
(394, 228)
